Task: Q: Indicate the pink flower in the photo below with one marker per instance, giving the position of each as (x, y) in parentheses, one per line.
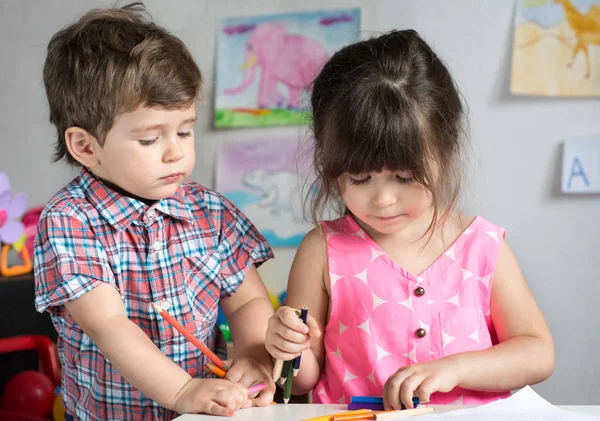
(11, 210)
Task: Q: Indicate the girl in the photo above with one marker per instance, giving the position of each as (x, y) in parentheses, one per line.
(414, 298)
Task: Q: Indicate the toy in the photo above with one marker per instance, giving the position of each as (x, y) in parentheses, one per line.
(58, 409)
(12, 230)
(274, 301)
(282, 297)
(30, 220)
(31, 392)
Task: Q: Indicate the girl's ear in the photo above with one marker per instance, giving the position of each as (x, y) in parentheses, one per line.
(82, 146)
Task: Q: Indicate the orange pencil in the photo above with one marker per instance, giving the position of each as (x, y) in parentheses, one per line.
(190, 337)
(216, 370)
(330, 417)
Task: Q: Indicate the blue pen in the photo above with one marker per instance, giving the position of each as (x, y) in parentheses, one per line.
(377, 400)
(303, 315)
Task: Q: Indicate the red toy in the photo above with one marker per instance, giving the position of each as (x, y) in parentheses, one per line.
(30, 394)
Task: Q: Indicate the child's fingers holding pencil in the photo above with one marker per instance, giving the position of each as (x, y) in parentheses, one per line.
(289, 317)
(313, 326)
(283, 341)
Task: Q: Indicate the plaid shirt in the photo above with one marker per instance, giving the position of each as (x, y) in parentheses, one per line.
(189, 250)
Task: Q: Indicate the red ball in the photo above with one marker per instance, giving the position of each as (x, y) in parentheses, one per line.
(29, 392)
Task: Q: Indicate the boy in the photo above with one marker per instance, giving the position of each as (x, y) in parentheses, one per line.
(129, 232)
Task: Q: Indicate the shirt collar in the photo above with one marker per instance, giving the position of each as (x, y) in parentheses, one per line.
(120, 211)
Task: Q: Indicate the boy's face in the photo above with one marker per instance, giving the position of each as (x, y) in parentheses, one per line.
(148, 152)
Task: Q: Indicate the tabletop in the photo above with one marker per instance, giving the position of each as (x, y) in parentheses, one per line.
(299, 412)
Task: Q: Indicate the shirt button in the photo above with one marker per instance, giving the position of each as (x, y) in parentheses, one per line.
(165, 305)
(157, 245)
(151, 213)
(419, 333)
(420, 291)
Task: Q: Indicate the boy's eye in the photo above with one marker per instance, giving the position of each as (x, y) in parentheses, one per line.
(147, 142)
(184, 134)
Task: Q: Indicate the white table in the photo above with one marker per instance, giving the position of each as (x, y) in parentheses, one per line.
(298, 412)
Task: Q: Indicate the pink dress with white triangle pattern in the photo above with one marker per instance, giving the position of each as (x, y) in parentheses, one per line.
(383, 318)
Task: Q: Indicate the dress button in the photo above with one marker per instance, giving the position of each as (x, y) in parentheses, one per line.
(420, 291)
(420, 332)
(157, 245)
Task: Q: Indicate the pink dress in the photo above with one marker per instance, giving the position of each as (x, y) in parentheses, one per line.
(384, 318)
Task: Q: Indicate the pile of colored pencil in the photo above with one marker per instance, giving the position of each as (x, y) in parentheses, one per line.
(368, 415)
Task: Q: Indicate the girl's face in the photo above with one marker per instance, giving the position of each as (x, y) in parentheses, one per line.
(387, 201)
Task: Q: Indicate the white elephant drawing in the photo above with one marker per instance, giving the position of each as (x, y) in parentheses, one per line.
(277, 189)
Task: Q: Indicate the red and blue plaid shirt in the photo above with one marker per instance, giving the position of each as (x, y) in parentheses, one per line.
(189, 250)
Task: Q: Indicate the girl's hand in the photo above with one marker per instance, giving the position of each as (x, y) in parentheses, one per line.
(211, 396)
(248, 371)
(419, 380)
(287, 335)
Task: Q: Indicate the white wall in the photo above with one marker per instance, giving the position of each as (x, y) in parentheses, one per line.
(516, 139)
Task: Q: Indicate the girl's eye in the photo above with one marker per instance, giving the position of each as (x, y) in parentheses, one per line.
(359, 181)
(184, 134)
(404, 180)
(147, 142)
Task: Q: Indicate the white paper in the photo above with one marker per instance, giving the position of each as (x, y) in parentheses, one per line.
(525, 405)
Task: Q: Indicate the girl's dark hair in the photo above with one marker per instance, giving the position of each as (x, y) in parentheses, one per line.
(387, 103)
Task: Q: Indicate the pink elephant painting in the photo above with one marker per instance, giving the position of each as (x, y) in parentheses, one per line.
(266, 64)
(283, 58)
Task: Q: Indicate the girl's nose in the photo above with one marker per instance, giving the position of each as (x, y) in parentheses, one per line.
(384, 197)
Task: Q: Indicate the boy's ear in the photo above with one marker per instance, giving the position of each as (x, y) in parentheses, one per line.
(82, 146)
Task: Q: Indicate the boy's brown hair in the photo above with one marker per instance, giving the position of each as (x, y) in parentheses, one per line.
(109, 62)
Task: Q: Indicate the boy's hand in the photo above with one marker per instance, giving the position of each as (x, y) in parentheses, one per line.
(247, 372)
(287, 335)
(211, 396)
(419, 380)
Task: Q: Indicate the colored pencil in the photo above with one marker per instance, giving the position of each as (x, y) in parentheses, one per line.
(211, 356)
(255, 388)
(277, 369)
(378, 400)
(287, 391)
(303, 315)
(366, 399)
(388, 415)
(216, 370)
(287, 366)
(365, 405)
(251, 390)
(353, 417)
(328, 417)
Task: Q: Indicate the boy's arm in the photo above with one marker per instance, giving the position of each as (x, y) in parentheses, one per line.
(247, 312)
(102, 316)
